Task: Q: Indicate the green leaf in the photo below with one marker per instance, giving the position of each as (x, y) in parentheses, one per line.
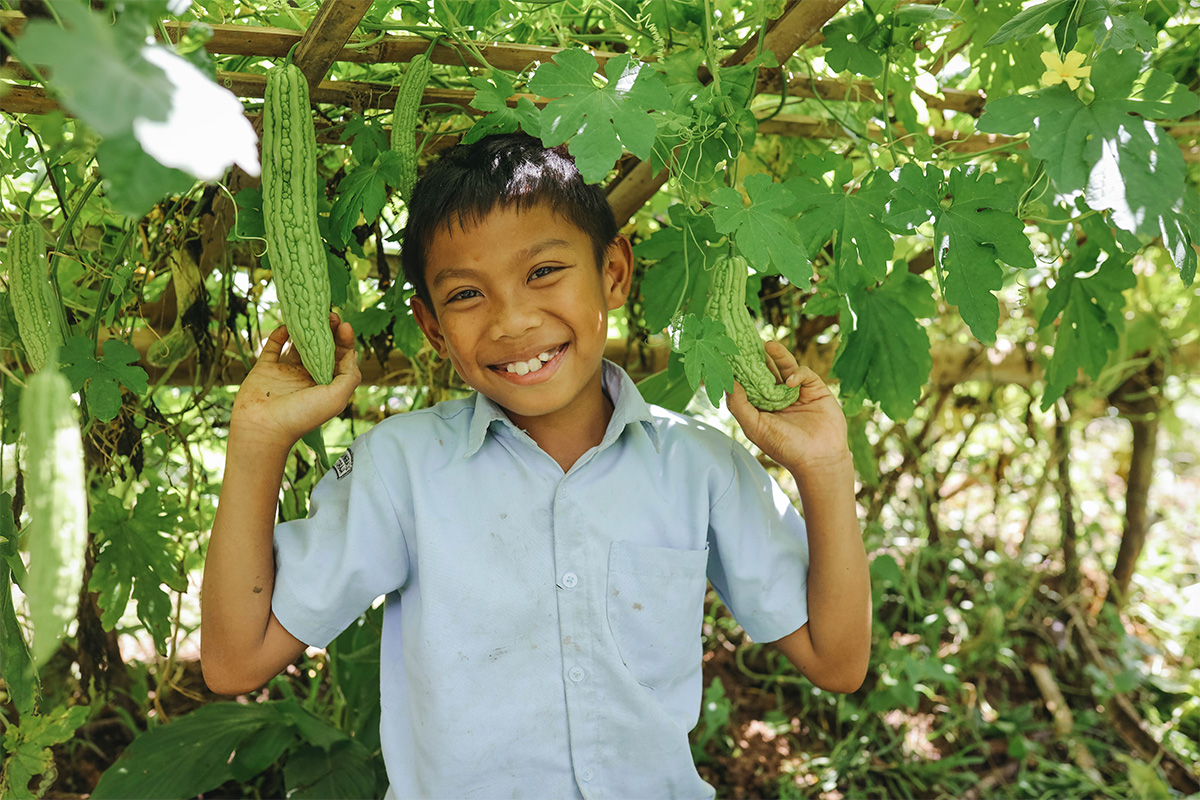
(408, 334)
(763, 231)
(255, 753)
(866, 466)
(886, 350)
(1179, 241)
(862, 246)
(1031, 20)
(1092, 318)
(682, 258)
(133, 180)
(491, 95)
(98, 69)
(249, 223)
(344, 771)
(1108, 147)
(135, 557)
(1125, 32)
(668, 388)
(917, 198)
(369, 322)
(366, 138)
(122, 86)
(188, 756)
(27, 748)
(704, 345)
(362, 193)
(978, 230)
(598, 121)
(974, 230)
(672, 17)
(853, 43)
(101, 379)
(1114, 30)
(885, 572)
(1145, 780)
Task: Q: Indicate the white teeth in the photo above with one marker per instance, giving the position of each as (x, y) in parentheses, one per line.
(533, 364)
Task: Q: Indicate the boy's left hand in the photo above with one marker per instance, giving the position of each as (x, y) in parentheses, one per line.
(808, 435)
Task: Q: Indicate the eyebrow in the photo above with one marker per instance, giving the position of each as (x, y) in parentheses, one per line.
(533, 251)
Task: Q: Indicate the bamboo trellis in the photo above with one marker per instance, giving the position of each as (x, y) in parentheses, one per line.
(327, 40)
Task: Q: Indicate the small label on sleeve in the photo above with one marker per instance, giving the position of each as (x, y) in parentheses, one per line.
(344, 465)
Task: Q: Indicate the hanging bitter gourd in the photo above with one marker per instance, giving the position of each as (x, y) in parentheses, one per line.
(404, 120)
(289, 204)
(179, 342)
(56, 500)
(727, 302)
(33, 300)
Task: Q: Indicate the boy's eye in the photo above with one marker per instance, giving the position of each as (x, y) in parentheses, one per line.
(542, 272)
(465, 294)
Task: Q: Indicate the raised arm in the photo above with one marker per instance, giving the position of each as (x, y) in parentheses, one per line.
(242, 645)
(809, 439)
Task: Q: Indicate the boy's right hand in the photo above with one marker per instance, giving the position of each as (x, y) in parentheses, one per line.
(279, 401)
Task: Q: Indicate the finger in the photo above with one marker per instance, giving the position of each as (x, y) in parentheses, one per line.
(741, 408)
(784, 363)
(273, 345)
(810, 382)
(771, 362)
(343, 339)
(346, 374)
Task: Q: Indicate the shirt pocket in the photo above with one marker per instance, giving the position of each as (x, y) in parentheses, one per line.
(655, 608)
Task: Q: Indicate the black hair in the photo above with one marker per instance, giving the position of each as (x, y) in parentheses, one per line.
(469, 181)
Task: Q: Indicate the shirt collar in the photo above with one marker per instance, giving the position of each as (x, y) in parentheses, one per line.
(628, 408)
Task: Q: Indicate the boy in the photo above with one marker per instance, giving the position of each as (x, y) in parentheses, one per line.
(543, 545)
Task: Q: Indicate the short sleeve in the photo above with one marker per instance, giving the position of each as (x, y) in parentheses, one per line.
(331, 566)
(758, 552)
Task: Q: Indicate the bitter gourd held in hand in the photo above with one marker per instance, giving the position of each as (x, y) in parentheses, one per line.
(289, 204)
(727, 302)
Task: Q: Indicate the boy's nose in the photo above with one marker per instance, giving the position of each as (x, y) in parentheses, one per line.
(514, 319)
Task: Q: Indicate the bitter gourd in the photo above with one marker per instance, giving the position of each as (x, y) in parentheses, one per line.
(404, 120)
(33, 300)
(179, 342)
(289, 204)
(56, 500)
(727, 303)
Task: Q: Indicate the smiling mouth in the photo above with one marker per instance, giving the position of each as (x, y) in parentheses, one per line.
(529, 365)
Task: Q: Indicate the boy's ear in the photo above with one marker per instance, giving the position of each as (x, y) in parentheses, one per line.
(618, 271)
(428, 323)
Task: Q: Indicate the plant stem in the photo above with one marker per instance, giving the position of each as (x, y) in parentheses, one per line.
(106, 286)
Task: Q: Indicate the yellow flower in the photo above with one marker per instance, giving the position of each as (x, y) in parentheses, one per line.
(1069, 70)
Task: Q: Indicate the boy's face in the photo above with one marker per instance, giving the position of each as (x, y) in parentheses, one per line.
(521, 310)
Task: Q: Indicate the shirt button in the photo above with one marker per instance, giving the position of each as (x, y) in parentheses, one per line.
(576, 674)
(586, 773)
(570, 580)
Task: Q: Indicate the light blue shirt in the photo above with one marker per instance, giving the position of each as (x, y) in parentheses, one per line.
(541, 633)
